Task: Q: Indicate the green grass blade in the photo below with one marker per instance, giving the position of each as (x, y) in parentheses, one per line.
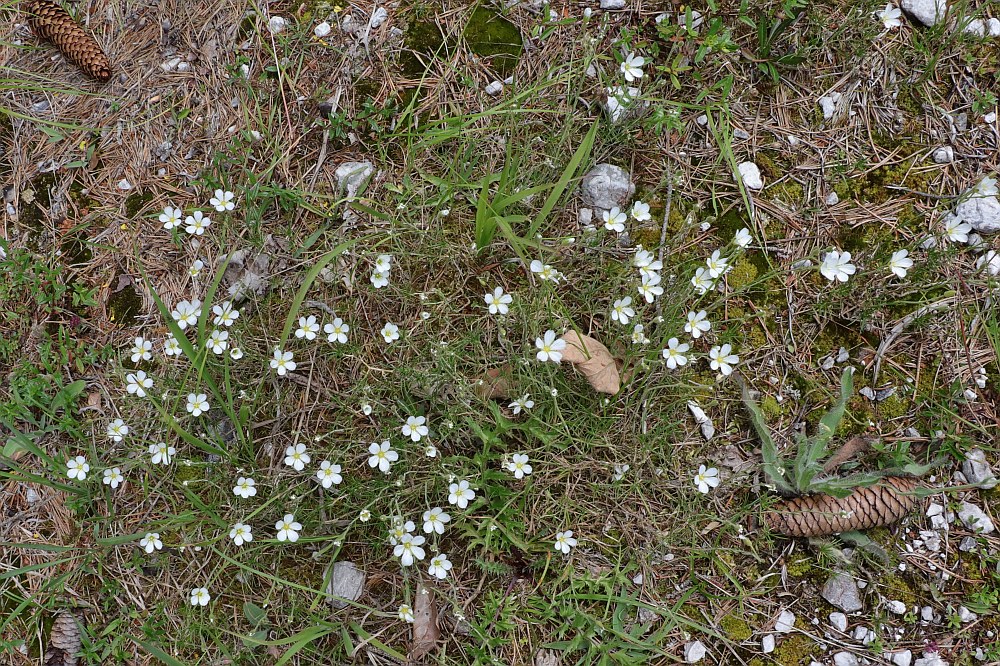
(769, 451)
(582, 153)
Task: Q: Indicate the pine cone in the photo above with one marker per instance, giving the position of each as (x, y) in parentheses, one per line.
(50, 21)
(819, 515)
(64, 641)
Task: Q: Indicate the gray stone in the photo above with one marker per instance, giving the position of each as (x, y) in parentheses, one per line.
(606, 186)
(347, 582)
(841, 591)
(927, 614)
(585, 217)
(353, 176)
(982, 212)
(975, 27)
(694, 652)
(845, 659)
(975, 518)
(767, 644)
(967, 545)
(838, 621)
(785, 623)
(896, 606)
(612, 4)
(993, 27)
(902, 658)
(943, 155)
(750, 175)
(977, 471)
(740, 134)
(965, 615)
(927, 12)
(832, 199)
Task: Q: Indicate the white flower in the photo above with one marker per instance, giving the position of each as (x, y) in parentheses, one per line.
(197, 223)
(614, 220)
(197, 404)
(218, 341)
(399, 529)
(241, 534)
(987, 187)
(151, 542)
(171, 347)
(141, 350)
(544, 271)
(245, 487)
(519, 466)
(524, 402)
(77, 468)
(900, 263)
(383, 263)
(200, 596)
(640, 211)
(722, 359)
(956, 229)
(222, 201)
(498, 301)
(674, 353)
(117, 430)
(406, 613)
(171, 217)
(650, 287)
(435, 519)
(390, 333)
(137, 383)
(282, 361)
(622, 310)
(890, 17)
(460, 494)
(382, 456)
(366, 409)
(989, 261)
(161, 453)
(288, 529)
(236, 353)
(364, 515)
(837, 266)
(646, 259)
(296, 456)
(408, 549)
(632, 67)
(697, 323)
(702, 280)
(431, 451)
(549, 349)
(743, 237)
(706, 479)
(620, 471)
(337, 331)
(226, 314)
(187, 313)
(308, 328)
(329, 474)
(113, 477)
(380, 280)
(639, 335)
(565, 542)
(414, 428)
(717, 264)
(194, 270)
(440, 566)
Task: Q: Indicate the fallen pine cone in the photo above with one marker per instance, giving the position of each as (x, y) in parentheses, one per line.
(64, 641)
(50, 21)
(820, 515)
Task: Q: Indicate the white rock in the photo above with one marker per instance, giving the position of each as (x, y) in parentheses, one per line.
(838, 621)
(785, 623)
(975, 468)
(990, 117)
(124, 185)
(896, 606)
(982, 212)
(792, 140)
(493, 88)
(993, 27)
(353, 176)
(378, 17)
(930, 659)
(614, 4)
(832, 199)
(702, 120)
(618, 102)
(767, 644)
(322, 30)
(750, 175)
(276, 24)
(694, 651)
(989, 262)
(975, 27)
(841, 590)
(965, 615)
(902, 658)
(927, 12)
(927, 614)
(606, 186)
(975, 518)
(845, 659)
(828, 103)
(943, 155)
(931, 539)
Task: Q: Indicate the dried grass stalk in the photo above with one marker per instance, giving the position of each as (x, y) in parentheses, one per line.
(50, 21)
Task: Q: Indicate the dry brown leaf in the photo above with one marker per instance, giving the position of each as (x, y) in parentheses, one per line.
(425, 627)
(594, 360)
(495, 384)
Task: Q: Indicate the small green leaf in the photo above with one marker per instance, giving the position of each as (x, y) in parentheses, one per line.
(254, 614)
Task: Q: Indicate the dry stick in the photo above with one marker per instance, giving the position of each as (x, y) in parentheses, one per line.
(847, 450)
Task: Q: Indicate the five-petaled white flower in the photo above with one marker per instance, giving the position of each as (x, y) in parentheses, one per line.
(113, 477)
(461, 494)
(697, 323)
(891, 17)
(197, 403)
(77, 468)
(717, 265)
(549, 349)
(743, 237)
(364, 515)
(137, 382)
(722, 359)
(380, 280)
(639, 335)
(222, 201)
(296, 456)
(186, 313)
(245, 487)
(498, 301)
(194, 270)
(987, 187)
(434, 520)
(218, 341)
(399, 529)
(236, 353)
(646, 259)
(524, 402)
(544, 271)
(200, 596)
(383, 263)
(225, 314)
(622, 310)
(956, 229)
(308, 328)
(171, 347)
(620, 472)
(430, 451)
(406, 613)
(640, 211)
(519, 466)
(565, 542)
(409, 550)
(282, 361)
(329, 474)
(390, 332)
(632, 67)
(151, 542)
(440, 566)
(614, 220)
(117, 430)
(241, 534)
(161, 453)
(674, 353)
(141, 350)
(414, 428)
(837, 266)
(197, 223)
(171, 217)
(382, 456)
(650, 286)
(900, 263)
(702, 280)
(337, 331)
(706, 479)
(288, 529)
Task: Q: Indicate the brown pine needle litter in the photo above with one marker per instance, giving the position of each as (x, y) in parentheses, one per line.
(51, 22)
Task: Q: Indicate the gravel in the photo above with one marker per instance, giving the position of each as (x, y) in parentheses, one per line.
(694, 652)
(943, 155)
(785, 623)
(902, 658)
(982, 212)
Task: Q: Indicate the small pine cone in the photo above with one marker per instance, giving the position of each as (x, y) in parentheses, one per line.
(64, 641)
(820, 515)
(50, 21)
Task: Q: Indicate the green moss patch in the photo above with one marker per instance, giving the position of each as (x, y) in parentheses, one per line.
(495, 39)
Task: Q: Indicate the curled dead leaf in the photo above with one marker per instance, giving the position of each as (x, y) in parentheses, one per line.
(594, 361)
(425, 627)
